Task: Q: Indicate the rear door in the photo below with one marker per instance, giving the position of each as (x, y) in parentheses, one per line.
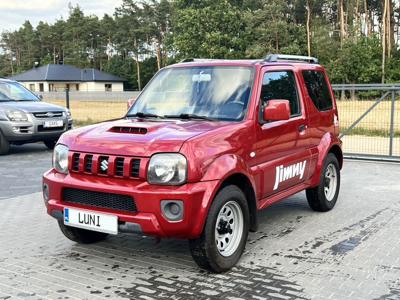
(282, 147)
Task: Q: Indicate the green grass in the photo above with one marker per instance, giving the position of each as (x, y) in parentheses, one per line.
(81, 123)
(370, 132)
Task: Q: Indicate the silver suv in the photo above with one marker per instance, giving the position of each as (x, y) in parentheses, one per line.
(24, 118)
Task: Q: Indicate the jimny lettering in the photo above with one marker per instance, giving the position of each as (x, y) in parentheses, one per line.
(285, 173)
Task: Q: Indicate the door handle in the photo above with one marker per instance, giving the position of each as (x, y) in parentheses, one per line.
(302, 128)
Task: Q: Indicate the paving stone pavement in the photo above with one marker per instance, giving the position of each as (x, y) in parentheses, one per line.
(352, 252)
(20, 170)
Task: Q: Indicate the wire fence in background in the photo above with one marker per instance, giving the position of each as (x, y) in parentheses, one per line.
(370, 120)
(369, 115)
(91, 107)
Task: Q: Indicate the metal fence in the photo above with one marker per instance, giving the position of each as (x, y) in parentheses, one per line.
(369, 115)
(369, 120)
(88, 96)
(91, 107)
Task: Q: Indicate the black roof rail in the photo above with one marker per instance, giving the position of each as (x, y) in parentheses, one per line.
(187, 60)
(294, 58)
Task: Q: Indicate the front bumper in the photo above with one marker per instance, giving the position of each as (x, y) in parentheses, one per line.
(196, 198)
(33, 130)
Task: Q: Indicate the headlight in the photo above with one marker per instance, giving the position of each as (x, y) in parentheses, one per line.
(60, 158)
(17, 116)
(67, 113)
(167, 169)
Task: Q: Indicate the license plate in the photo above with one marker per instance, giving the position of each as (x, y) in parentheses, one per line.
(54, 123)
(91, 220)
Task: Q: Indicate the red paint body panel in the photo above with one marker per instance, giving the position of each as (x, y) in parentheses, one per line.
(161, 136)
(214, 151)
(277, 110)
(147, 198)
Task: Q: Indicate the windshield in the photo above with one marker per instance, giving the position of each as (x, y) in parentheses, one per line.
(13, 91)
(217, 93)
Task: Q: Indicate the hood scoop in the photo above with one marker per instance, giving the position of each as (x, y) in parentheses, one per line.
(128, 129)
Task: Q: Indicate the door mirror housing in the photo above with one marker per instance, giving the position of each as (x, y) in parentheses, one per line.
(276, 110)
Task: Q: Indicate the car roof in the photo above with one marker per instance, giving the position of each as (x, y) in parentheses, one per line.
(244, 63)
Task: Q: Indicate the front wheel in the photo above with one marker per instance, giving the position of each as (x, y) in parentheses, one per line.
(324, 196)
(224, 236)
(50, 144)
(4, 144)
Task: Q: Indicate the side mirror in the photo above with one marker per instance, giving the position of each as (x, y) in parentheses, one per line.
(40, 96)
(277, 110)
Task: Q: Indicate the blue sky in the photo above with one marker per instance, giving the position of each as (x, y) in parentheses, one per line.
(13, 13)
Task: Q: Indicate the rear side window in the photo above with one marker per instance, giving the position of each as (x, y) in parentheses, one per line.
(318, 89)
(280, 85)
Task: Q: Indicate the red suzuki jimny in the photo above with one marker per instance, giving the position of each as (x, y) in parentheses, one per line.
(206, 145)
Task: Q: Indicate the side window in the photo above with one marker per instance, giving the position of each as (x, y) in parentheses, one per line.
(281, 85)
(108, 87)
(318, 89)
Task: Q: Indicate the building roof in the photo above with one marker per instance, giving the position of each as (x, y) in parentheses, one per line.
(65, 73)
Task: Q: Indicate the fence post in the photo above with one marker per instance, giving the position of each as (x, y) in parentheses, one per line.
(392, 123)
(67, 97)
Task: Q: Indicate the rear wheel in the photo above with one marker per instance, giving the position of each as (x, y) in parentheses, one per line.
(50, 144)
(4, 144)
(81, 236)
(324, 196)
(224, 236)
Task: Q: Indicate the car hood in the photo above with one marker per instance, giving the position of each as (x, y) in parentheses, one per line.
(136, 137)
(31, 106)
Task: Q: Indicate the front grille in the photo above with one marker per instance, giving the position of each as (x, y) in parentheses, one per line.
(103, 165)
(99, 199)
(75, 162)
(119, 166)
(88, 163)
(41, 128)
(44, 115)
(24, 129)
(135, 168)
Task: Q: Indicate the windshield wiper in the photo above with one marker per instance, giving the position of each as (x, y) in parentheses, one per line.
(144, 115)
(188, 117)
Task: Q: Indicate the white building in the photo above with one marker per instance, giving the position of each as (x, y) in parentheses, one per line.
(61, 77)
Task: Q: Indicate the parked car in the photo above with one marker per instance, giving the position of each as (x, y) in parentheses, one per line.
(24, 118)
(206, 145)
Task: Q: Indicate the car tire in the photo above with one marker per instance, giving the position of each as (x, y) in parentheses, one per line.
(81, 236)
(4, 144)
(50, 144)
(324, 197)
(220, 245)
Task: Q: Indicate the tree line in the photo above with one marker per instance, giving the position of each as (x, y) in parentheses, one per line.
(357, 40)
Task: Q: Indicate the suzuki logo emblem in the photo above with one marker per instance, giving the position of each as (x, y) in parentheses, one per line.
(104, 165)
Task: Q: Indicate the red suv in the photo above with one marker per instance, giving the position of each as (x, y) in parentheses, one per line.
(206, 145)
